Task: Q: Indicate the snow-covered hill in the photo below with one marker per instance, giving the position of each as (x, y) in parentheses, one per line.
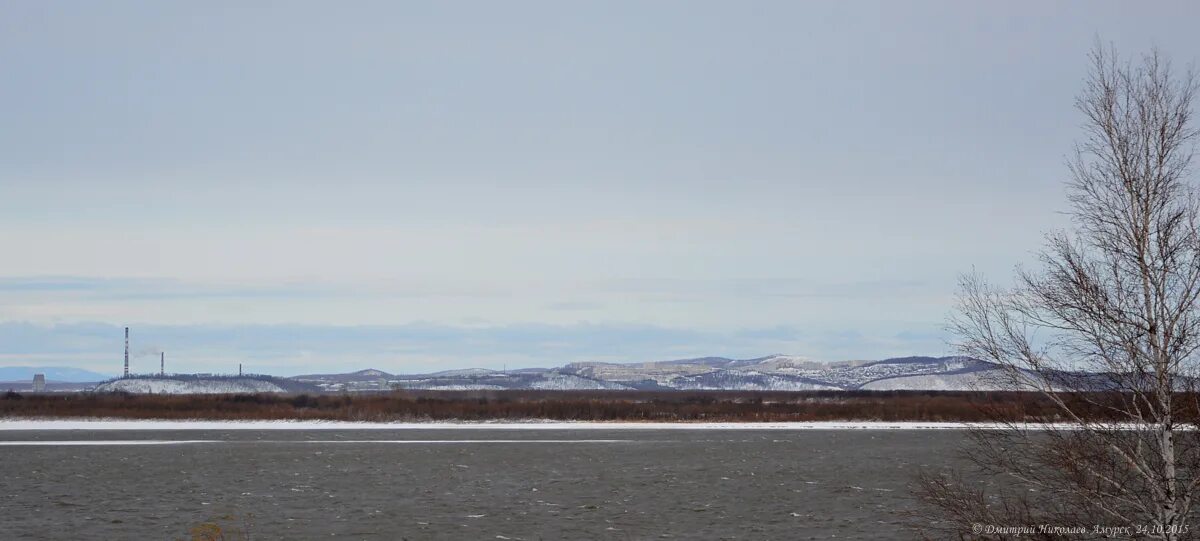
(566, 382)
(785, 373)
(970, 381)
(772, 373)
(190, 386)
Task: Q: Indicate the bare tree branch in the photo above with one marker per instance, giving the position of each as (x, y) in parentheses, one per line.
(1106, 328)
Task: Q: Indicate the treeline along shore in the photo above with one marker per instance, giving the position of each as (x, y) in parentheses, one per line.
(628, 406)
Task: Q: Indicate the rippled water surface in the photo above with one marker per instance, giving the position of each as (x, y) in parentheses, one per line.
(465, 484)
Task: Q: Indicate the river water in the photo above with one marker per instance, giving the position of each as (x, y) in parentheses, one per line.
(464, 484)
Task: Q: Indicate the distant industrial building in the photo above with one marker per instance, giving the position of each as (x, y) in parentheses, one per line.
(39, 383)
(126, 352)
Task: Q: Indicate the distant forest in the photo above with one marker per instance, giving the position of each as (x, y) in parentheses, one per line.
(647, 406)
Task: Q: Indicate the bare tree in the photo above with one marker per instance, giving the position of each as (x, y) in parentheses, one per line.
(1106, 330)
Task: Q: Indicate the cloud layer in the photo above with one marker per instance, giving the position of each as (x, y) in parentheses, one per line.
(422, 185)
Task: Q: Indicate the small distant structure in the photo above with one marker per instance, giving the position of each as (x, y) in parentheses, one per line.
(162, 363)
(39, 383)
(239, 370)
(126, 352)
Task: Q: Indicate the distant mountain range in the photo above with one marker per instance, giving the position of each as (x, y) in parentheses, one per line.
(52, 373)
(773, 373)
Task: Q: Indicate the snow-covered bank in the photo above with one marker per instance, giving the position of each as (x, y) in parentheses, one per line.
(55, 443)
(51, 443)
(111, 424)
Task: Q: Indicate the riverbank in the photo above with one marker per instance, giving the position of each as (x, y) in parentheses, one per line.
(125, 424)
(539, 407)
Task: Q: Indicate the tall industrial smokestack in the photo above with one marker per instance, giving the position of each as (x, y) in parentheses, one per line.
(162, 363)
(126, 351)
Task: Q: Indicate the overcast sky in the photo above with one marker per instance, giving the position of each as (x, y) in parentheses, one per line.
(306, 186)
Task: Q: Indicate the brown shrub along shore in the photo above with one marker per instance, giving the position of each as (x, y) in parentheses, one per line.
(677, 406)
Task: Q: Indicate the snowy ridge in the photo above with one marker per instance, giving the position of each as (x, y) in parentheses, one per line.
(793, 373)
(565, 382)
(455, 387)
(189, 386)
(771, 373)
(930, 382)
